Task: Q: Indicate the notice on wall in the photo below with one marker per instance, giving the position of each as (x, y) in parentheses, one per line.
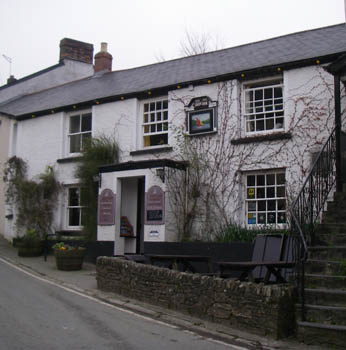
(106, 208)
(155, 206)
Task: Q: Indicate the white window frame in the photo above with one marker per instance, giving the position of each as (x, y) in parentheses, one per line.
(72, 207)
(265, 196)
(154, 120)
(264, 114)
(83, 133)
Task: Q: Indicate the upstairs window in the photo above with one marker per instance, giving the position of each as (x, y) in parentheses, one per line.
(79, 131)
(263, 107)
(155, 123)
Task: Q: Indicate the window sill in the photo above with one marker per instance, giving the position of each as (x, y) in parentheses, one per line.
(262, 138)
(69, 159)
(151, 150)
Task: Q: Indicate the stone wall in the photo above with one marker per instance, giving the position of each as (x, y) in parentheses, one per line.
(259, 308)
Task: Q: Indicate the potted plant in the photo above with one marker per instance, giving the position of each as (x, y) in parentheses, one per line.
(67, 257)
(30, 245)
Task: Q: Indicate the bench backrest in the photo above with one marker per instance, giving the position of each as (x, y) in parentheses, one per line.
(267, 248)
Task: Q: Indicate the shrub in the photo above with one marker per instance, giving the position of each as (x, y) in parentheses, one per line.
(97, 151)
(238, 233)
(33, 200)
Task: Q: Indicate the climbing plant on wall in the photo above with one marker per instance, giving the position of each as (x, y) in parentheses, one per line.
(212, 199)
(96, 151)
(33, 200)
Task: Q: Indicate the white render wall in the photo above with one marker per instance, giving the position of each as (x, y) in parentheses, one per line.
(123, 184)
(68, 71)
(4, 140)
(308, 117)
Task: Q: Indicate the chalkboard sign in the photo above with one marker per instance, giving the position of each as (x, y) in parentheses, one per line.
(155, 206)
(154, 215)
(106, 208)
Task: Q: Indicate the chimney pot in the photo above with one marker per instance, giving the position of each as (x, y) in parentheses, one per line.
(103, 60)
(104, 47)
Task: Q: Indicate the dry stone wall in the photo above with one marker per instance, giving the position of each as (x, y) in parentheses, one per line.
(259, 308)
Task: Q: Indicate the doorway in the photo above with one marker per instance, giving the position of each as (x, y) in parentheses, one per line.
(132, 214)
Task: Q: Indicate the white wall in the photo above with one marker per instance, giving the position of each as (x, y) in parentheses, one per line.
(68, 71)
(4, 140)
(41, 141)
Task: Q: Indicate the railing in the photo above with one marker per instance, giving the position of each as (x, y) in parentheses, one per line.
(307, 207)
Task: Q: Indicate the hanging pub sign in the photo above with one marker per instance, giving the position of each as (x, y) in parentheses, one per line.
(154, 206)
(200, 102)
(201, 116)
(106, 208)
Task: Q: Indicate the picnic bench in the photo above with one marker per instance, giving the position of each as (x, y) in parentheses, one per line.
(272, 260)
(179, 262)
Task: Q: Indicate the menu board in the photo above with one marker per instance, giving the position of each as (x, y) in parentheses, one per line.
(106, 208)
(155, 206)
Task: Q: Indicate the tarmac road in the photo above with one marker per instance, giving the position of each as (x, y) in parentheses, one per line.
(39, 314)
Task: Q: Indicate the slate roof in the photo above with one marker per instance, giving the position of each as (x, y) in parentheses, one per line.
(295, 47)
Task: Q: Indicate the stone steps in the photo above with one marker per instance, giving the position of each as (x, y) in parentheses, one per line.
(329, 336)
(332, 239)
(332, 315)
(333, 228)
(329, 253)
(325, 281)
(325, 267)
(336, 206)
(340, 197)
(325, 297)
(331, 218)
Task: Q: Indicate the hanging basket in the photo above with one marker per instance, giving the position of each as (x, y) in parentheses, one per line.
(69, 260)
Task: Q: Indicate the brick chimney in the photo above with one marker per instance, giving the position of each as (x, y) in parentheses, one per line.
(11, 79)
(76, 50)
(103, 59)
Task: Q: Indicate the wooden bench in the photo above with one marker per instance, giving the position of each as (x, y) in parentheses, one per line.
(179, 262)
(272, 260)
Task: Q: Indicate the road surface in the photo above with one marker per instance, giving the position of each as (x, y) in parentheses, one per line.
(38, 314)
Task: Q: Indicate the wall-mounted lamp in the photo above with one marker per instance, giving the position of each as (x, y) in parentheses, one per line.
(97, 178)
(160, 172)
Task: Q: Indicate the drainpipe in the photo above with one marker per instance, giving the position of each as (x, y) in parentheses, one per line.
(337, 104)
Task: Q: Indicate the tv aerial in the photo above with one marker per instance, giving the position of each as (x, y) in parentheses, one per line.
(9, 60)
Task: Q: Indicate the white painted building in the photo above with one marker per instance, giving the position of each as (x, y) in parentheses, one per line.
(236, 129)
(75, 62)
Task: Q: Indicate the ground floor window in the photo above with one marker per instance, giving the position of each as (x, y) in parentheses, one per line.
(266, 198)
(75, 207)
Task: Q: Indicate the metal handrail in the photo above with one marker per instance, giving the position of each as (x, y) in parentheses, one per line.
(310, 201)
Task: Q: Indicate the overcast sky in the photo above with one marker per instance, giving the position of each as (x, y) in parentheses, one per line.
(138, 32)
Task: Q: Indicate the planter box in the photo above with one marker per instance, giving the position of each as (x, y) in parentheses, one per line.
(69, 260)
(30, 249)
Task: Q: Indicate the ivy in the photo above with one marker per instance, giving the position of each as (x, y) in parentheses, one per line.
(34, 200)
